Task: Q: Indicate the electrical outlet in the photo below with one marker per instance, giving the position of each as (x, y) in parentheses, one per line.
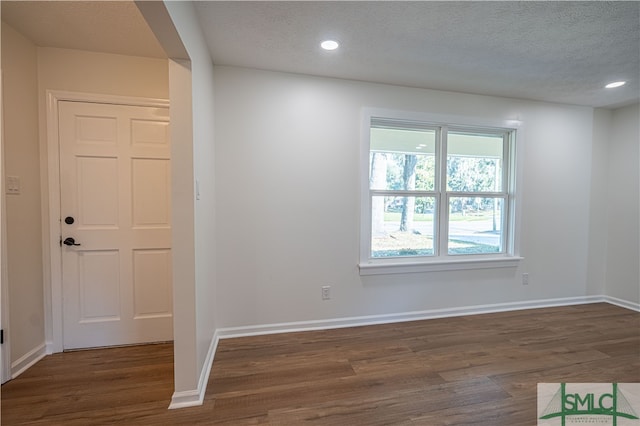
(525, 278)
(326, 292)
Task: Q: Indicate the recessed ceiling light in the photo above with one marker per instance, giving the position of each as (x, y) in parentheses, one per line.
(615, 84)
(329, 45)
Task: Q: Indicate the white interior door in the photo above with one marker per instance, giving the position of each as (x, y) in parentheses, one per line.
(115, 189)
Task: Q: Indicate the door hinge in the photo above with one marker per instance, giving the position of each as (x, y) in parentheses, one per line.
(1, 337)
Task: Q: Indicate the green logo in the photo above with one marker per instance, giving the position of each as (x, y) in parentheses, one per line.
(584, 401)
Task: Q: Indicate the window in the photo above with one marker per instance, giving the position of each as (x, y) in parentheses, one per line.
(437, 194)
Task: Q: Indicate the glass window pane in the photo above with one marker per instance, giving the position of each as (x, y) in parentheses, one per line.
(475, 225)
(402, 159)
(402, 226)
(474, 162)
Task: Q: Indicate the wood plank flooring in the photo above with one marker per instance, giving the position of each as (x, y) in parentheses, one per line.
(473, 370)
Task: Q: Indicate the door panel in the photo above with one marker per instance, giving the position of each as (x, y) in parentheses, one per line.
(96, 130)
(152, 283)
(150, 134)
(151, 196)
(115, 183)
(99, 285)
(97, 208)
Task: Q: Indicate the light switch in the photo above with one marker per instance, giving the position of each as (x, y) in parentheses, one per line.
(13, 185)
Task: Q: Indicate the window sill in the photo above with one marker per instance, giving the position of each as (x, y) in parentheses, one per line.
(457, 264)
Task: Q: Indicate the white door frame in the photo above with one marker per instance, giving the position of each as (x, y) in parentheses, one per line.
(51, 197)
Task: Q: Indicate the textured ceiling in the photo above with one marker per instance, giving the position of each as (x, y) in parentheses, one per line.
(551, 51)
(100, 26)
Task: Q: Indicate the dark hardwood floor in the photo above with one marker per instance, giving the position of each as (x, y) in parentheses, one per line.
(473, 370)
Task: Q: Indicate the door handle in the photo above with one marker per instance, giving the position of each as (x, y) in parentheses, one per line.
(69, 241)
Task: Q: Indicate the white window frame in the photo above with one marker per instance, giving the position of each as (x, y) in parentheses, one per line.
(512, 172)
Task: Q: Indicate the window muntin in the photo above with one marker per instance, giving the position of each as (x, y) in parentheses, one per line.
(438, 191)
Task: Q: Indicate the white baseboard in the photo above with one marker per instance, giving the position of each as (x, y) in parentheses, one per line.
(27, 360)
(230, 332)
(622, 303)
(195, 397)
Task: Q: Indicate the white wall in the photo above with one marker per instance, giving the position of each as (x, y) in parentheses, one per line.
(186, 370)
(94, 72)
(623, 198)
(24, 234)
(287, 188)
(195, 289)
(204, 168)
(598, 229)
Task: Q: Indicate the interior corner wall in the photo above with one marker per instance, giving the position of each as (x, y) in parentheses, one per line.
(186, 369)
(602, 121)
(287, 191)
(204, 169)
(202, 287)
(623, 199)
(24, 236)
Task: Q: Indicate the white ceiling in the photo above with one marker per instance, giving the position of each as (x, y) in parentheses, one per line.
(551, 51)
(100, 26)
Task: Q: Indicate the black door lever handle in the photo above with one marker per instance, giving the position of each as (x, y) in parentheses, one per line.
(69, 241)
